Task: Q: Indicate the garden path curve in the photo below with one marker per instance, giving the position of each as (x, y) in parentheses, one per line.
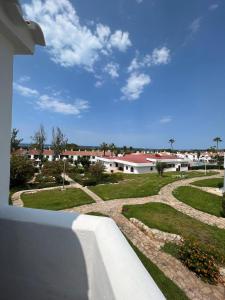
(171, 267)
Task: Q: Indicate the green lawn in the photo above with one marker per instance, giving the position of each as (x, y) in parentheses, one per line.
(212, 182)
(168, 219)
(170, 290)
(140, 185)
(56, 199)
(96, 213)
(200, 200)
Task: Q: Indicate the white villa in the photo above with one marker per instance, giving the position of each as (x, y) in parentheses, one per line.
(73, 155)
(139, 163)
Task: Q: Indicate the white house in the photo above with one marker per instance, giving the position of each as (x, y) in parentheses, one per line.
(139, 163)
(55, 255)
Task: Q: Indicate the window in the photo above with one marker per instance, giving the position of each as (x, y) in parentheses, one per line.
(183, 165)
(126, 167)
(132, 169)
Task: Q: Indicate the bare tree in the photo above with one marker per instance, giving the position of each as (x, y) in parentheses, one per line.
(15, 141)
(39, 140)
(59, 142)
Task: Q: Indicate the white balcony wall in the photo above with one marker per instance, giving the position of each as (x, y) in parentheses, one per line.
(56, 255)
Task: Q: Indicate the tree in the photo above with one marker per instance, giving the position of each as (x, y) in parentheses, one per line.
(84, 161)
(124, 149)
(104, 147)
(217, 140)
(171, 141)
(39, 139)
(97, 170)
(21, 170)
(59, 142)
(15, 141)
(72, 146)
(160, 166)
(112, 148)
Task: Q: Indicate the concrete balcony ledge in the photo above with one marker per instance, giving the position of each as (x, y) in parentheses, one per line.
(56, 255)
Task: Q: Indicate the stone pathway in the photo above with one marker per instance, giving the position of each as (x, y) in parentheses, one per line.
(170, 266)
(211, 190)
(149, 246)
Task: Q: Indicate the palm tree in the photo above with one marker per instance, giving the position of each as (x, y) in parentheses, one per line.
(104, 147)
(217, 140)
(112, 148)
(171, 141)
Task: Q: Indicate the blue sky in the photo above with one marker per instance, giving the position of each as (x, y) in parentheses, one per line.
(130, 72)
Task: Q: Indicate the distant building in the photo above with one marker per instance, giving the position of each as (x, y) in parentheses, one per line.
(139, 163)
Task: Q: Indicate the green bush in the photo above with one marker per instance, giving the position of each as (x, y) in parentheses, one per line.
(223, 206)
(52, 168)
(220, 185)
(43, 179)
(200, 261)
(21, 170)
(210, 167)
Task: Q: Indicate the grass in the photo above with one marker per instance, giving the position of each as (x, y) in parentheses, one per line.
(212, 182)
(96, 213)
(56, 199)
(168, 219)
(200, 200)
(170, 290)
(142, 185)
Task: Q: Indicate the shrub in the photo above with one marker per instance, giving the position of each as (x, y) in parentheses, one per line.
(21, 170)
(209, 167)
(223, 205)
(43, 179)
(200, 261)
(52, 168)
(220, 185)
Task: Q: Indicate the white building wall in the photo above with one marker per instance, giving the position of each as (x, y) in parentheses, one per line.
(6, 77)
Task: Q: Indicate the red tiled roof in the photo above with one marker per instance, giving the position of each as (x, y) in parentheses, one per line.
(143, 158)
(85, 153)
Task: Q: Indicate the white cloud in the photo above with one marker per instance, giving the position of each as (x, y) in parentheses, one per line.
(161, 56)
(158, 56)
(68, 42)
(213, 6)
(165, 120)
(99, 83)
(120, 40)
(112, 69)
(25, 91)
(135, 86)
(24, 78)
(52, 102)
(195, 25)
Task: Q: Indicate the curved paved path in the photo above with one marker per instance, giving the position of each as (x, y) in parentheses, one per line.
(171, 267)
